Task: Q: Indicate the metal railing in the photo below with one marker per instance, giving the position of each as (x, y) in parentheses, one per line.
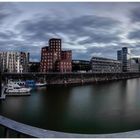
(30, 131)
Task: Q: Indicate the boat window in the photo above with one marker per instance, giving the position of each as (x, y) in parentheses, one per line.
(16, 88)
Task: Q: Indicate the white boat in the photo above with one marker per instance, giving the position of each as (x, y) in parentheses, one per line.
(39, 84)
(15, 89)
(18, 82)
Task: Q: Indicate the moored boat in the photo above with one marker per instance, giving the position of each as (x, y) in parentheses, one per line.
(39, 84)
(15, 89)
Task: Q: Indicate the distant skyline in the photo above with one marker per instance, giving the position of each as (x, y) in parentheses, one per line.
(87, 28)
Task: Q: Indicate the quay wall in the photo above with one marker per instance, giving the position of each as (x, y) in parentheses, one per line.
(72, 78)
(88, 78)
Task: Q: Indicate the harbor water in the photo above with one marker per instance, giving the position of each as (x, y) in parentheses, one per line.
(107, 107)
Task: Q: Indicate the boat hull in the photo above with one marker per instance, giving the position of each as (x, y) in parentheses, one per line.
(18, 94)
(41, 85)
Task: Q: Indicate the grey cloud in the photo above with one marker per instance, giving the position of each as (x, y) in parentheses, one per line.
(135, 14)
(100, 38)
(7, 10)
(106, 51)
(94, 21)
(134, 35)
(7, 35)
(109, 52)
(39, 29)
(3, 14)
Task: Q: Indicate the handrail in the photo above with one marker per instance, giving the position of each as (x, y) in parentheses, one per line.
(42, 133)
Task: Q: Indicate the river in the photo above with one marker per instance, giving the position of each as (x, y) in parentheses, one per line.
(96, 108)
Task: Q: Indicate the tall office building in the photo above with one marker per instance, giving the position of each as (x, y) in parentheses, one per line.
(126, 59)
(124, 56)
(14, 61)
(54, 59)
(119, 55)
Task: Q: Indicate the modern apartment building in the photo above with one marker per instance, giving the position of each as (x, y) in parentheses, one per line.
(105, 65)
(54, 59)
(14, 61)
(24, 60)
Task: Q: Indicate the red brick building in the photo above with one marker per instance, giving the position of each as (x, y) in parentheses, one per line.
(53, 59)
(46, 60)
(66, 55)
(63, 66)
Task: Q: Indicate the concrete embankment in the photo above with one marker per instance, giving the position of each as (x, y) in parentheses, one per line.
(89, 78)
(57, 78)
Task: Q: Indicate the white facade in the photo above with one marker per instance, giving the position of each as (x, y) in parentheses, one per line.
(105, 65)
(13, 61)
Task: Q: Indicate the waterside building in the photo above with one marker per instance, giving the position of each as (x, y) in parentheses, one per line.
(105, 65)
(12, 61)
(53, 59)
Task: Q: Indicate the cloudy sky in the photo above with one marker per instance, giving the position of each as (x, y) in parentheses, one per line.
(88, 29)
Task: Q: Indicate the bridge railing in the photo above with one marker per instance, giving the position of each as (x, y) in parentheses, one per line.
(30, 131)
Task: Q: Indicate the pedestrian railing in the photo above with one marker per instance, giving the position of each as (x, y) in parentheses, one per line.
(30, 131)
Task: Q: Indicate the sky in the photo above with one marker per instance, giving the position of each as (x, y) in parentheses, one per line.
(87, 28)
